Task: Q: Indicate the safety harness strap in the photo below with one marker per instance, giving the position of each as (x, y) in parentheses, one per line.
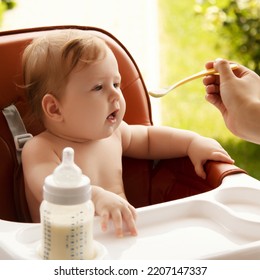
(17, 129)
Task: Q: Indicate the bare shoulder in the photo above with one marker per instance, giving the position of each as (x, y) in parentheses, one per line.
(38, 148)
(36, 144)
(39, 159)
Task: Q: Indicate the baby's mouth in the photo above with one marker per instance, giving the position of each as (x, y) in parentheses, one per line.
(112, 116)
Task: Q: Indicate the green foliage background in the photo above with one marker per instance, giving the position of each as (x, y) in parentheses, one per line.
(185, 47)
(238, 23)
(5, 5)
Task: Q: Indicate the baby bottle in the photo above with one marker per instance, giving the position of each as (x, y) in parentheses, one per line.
(67, 213)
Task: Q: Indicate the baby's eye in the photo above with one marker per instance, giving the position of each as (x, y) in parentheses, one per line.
(117, 85)
(97, 88)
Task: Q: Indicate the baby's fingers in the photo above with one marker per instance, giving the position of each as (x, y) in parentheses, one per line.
(129, 217)
(118, 222)
(199, 169)
(104, 219)
(222, 156)
(116, 218)
(216, 156)
(126, 215)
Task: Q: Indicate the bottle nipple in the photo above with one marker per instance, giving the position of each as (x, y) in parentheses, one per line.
(67, 174)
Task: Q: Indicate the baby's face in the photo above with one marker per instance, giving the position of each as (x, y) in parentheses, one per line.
(93, 105)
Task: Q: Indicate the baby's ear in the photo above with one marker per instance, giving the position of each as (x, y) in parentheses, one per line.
(51, 107)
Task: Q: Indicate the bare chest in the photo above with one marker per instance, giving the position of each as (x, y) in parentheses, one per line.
(101, 161)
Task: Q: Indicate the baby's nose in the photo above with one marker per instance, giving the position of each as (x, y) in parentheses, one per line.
(115, 95)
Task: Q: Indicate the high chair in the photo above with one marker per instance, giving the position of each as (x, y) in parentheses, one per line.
(146, 182)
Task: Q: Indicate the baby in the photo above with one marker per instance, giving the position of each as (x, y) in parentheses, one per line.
(73, 85)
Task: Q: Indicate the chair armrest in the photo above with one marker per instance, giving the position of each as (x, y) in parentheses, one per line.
(148, 183)
(216, 171)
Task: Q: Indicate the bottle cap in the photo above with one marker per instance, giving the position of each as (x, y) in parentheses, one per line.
(67, 185)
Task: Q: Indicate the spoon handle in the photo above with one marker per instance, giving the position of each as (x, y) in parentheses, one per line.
(163, 91)
(200, 74)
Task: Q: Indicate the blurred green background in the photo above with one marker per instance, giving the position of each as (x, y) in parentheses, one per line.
(185, 45)
(5, 5)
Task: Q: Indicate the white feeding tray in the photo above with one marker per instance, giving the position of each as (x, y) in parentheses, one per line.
(221, 224)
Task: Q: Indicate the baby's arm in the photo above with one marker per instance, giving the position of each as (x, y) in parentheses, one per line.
(154, 142)
(38, 162)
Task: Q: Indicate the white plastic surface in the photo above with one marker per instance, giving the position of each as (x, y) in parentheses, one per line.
(220, 224)
(22, 241)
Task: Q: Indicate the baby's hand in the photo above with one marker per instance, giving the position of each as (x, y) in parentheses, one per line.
(202, 149)
(109, 205)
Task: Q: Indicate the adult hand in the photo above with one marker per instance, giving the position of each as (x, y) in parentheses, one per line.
(237, 96)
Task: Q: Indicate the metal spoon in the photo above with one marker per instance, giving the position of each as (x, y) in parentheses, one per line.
(163, 91)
